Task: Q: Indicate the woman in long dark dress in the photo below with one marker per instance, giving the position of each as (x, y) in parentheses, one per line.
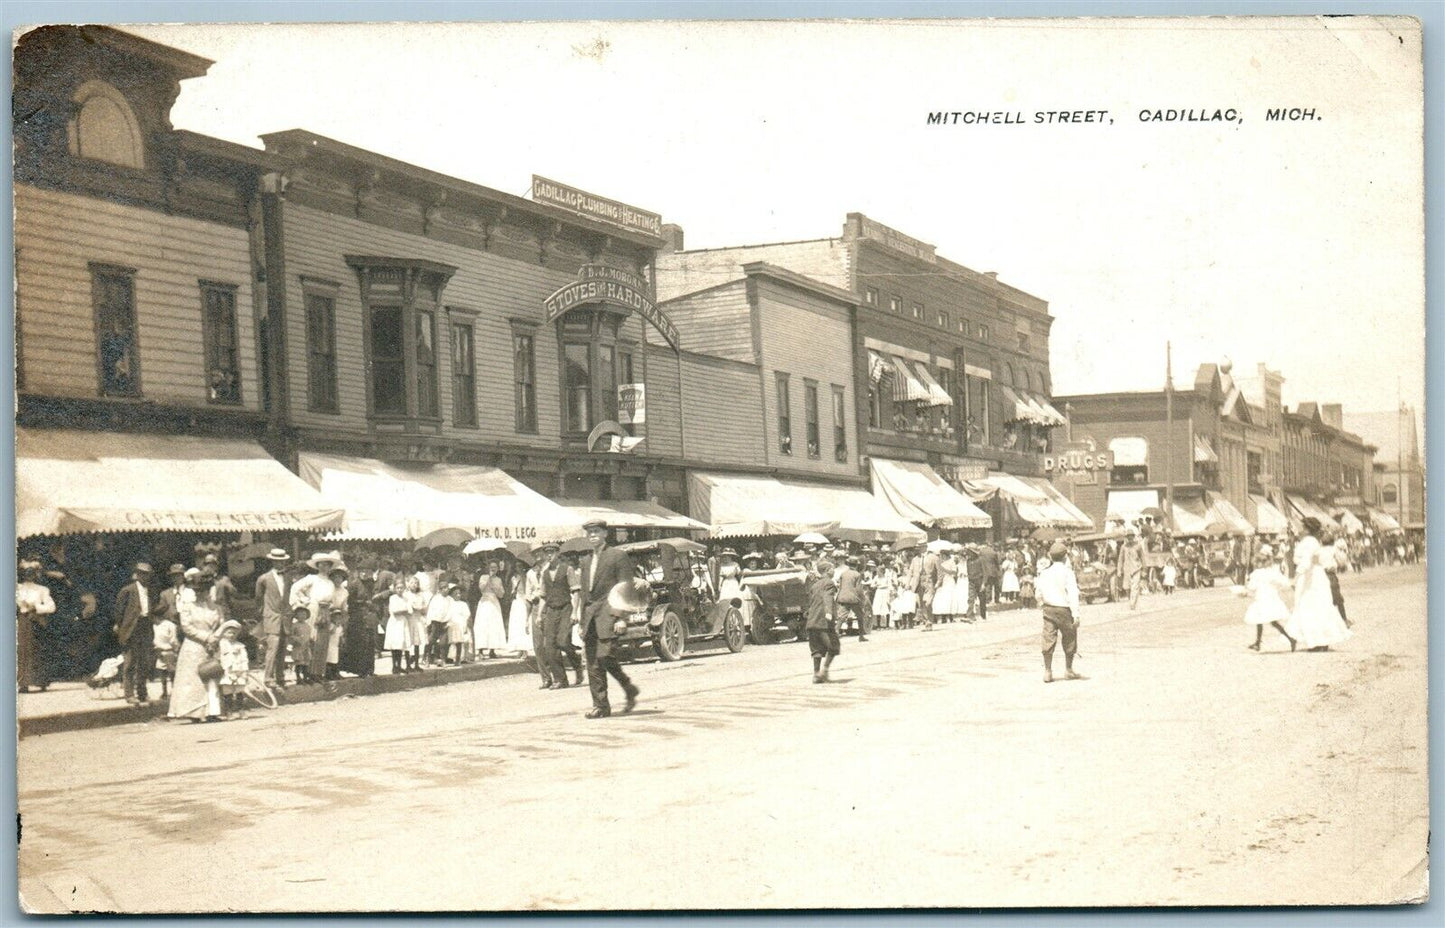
(358, 646)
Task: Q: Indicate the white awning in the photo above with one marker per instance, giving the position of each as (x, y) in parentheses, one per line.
(735, 506)
(1383, 521)
(1190, 518)
(1305, 508)
(1037, 501)
(628, 513)
(1268, 520)
(69, 481)
(393, 501)
(1204, 451)
(937, 395)
(1350, 522)
(862, 517)
(1049, 410)
(907, 388)
(1128, 505)
(1041, 416)
(917, 493)
(1224, 518)
(878, 368)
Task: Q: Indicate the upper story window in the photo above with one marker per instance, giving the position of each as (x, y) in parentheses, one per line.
(524, 379)
(104, 128)
(112, 293)
(895, 304)
(983, 333)
(321, 349)
(810, 417)
(785, 414)
(870, 296)
(464, 373)
(591, 355)
(400, 297)
(942, 319)
(840, 427)
(917, 310)
(1024, 342)
(218, 328)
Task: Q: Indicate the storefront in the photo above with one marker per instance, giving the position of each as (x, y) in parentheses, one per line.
(1026, 504)
(749, 506)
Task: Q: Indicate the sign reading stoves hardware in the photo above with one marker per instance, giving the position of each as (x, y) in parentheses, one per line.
(601, 284)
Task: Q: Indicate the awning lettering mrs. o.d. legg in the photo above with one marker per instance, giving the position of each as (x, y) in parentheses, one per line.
(69, 481)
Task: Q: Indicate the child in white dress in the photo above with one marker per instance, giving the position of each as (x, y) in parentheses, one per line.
(235, 665)
(1267, 584)
(1171, 576)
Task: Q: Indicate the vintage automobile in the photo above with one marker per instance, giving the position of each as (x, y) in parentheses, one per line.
(1096, 583)
(777, 597)
(679, 607)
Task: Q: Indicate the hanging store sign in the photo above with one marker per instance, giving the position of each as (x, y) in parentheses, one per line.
(632, 403)
(614, 293)
(608, 272)
(595, 207)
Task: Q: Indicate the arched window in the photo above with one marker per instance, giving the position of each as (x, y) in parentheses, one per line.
(1021, 378)
(104, 128)
(1008, 374)
(1036, 382)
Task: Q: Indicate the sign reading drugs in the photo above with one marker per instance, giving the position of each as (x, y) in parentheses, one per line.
(615, 293)
(595, 207)
(1078, 461)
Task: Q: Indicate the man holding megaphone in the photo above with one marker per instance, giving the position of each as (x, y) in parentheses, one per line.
(602, 569)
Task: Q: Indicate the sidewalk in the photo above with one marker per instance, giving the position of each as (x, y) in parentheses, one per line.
(72, 706)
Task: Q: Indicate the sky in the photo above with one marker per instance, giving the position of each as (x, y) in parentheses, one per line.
(1299, 244)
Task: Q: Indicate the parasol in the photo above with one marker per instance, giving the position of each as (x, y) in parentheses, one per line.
(940, 544)
(484, 545)
(442, 538)
(811, 538)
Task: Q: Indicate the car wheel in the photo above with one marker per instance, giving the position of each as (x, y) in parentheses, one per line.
(671, 639)
(733, 632)
(761, 629)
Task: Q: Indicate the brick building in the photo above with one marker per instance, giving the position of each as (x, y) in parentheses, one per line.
(1397, 480)
(951, 365)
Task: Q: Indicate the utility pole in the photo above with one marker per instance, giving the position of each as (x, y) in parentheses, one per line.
(1169, 437)
(1399, 453)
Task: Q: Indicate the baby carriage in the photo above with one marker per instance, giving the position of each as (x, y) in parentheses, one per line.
(107, 682)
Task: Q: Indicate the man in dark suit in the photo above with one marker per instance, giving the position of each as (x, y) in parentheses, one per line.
(977, 583)
(134, 606)
(602, 569)
(272, 595)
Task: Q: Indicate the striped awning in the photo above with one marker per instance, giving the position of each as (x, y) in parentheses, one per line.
(1204, 451)
(1016, 408)
(1383, 521)
(1049, 410)
(938, 395)
(1307, 508)
(1041, 417)
(878, 368)
(907, 388)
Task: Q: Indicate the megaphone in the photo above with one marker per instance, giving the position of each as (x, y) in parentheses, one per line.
(630, 596)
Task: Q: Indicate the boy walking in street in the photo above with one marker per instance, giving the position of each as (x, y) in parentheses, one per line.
(1058, 592)
(822, 624)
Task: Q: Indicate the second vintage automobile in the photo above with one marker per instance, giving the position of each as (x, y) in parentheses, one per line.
(681, 607)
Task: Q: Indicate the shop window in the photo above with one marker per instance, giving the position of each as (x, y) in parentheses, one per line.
(591, 357)
(840, 427)
(810, 417)
(464, 375)
(785, 415)
(218, 332)
(524, 376)
(321, 353)
(104, 128)
(112, 291)
(401, 296)
(870, 296)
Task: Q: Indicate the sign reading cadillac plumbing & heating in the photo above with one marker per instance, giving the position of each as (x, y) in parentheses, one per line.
(615, 292)
(595, 207)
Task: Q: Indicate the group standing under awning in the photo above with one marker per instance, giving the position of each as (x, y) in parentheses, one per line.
(1035, 500)
(917, 493)
(735, 506)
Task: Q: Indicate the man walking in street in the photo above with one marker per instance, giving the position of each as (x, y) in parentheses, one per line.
(561, 604)
(1058, 591)
(1131, 569)
(925, 582)
(273, 594)
(988, 557)
(135, 630)
(602, 569)
(849, 599)
(977, 572)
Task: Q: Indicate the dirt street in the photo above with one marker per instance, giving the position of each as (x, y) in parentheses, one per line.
(936, 770)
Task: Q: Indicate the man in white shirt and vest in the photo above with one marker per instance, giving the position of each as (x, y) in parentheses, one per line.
(1057, 590)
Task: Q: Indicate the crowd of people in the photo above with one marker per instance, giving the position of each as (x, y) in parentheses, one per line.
(201, 639)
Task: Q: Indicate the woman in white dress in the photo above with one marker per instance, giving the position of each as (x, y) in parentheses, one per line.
(489, 634)
(398, 638)
(1267, 584)
(960, 586)
(420, 597)
(526, 588)
(885, 579)
(459, 625)
(944, 597)
(1008, 584)
(1315, 621)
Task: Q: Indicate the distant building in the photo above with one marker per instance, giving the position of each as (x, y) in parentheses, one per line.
(1398, 474)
